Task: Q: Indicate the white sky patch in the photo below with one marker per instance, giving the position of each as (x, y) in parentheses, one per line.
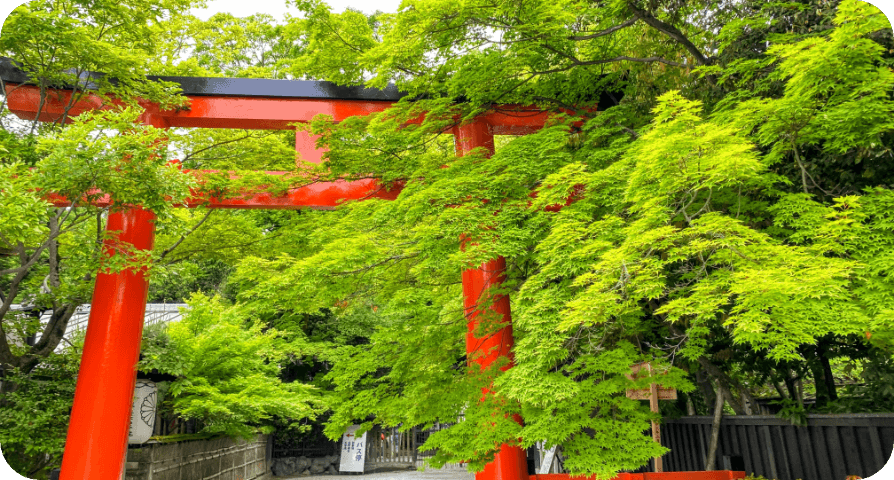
(278, 9)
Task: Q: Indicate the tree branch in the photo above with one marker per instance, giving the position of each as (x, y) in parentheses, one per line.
(54, 331)
(374, 265)
(183, 237)
(232, 140)
(602, 33)
(580, 63)
(669, 30)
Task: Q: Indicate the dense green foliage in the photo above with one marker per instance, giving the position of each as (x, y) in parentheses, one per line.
(228, 368)
(34, 415)
(730, 216)
(740, 215)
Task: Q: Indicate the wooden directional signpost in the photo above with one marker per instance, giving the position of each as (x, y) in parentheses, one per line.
(653, 394)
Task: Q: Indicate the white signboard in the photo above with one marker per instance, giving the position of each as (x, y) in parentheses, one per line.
(353, 451)
(547, 461)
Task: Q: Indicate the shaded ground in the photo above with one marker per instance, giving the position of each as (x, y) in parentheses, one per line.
(430, 474)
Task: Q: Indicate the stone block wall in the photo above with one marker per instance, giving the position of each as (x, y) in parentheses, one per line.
(215, 459)
(327, 465)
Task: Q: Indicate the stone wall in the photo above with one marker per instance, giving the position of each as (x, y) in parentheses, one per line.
(306, 466)
(216, 459)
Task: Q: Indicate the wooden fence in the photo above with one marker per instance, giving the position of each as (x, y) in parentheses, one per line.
(829, 447)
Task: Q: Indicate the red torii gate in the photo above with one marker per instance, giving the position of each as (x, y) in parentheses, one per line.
(97, 437)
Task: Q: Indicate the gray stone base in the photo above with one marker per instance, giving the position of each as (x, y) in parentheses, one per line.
(327, 465)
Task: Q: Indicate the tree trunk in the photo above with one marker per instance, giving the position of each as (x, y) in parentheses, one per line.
(737, 406)
(790, 384)
(748, 402)
(741, 407)
(723, 382)
(779, 390)
(827, 374)
(822, 375)
(704, 387)
(715, 431)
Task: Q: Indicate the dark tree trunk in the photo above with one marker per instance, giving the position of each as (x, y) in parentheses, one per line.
(821, 370)
(819, 379)
(715, 432)
(829, 378)
(723, 380)
(790, 385)
(704, 387)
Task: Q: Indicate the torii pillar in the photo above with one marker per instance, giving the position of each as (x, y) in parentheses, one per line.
(96, 443)
(97, 433)
(510, 463)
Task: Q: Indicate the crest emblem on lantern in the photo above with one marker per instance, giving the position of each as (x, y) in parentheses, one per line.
(142, 417)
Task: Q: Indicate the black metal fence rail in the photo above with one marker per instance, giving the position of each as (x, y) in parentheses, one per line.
(829, 447)
(168, 424)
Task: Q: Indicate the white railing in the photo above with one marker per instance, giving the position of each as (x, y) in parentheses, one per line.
(155, 313)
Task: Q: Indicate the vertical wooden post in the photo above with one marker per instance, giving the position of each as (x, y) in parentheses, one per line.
(510, 462)
(656, 427)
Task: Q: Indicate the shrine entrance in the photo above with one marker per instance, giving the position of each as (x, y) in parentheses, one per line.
(97, 437)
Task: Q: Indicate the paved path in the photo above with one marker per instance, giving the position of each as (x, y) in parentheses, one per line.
(430, 474)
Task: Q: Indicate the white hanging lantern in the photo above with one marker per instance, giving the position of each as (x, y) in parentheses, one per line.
(142, 415)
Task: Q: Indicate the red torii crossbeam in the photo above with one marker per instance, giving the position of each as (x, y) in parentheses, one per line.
(97, 436)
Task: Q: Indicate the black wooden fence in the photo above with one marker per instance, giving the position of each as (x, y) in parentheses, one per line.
(829, 447)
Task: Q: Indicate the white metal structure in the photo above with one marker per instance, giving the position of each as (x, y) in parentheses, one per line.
(155, 313)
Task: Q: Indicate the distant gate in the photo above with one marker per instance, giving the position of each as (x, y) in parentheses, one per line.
(389, 449)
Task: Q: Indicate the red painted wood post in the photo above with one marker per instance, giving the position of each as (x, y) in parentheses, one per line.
(306, 146)
(510, 463)
(96, 444)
